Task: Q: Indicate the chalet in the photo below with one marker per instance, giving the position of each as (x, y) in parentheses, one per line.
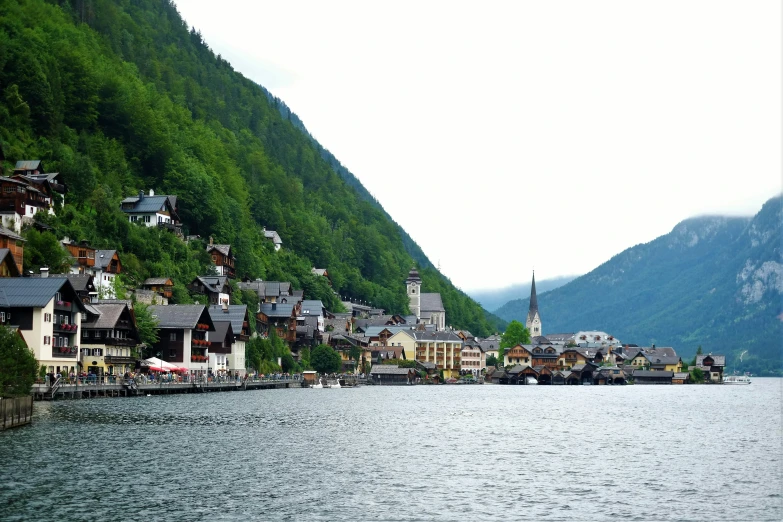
(153, 211)
(281, 317)
(522, 374)
(519, 354)
(11, 253)
(388, 374)
(20, 200)
(343, 344)
(582, 373)
(681, 378)
(712, 366)
(155, 290)
(184, 336)
(652, 377)
(239, 319)
(609, 375)
(664, 363)
(571, 357)
(109, 338)
(270, 291)
(490, 345)
(81, 283)
(322, 272)
(223, 258)
(546, 355)
(220, 342)
(216, 288)
(272, 236)
(48, 312)
(103, 265)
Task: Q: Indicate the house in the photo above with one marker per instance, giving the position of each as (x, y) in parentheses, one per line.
(712, 365)
(490, 345)
(103, 265)
(155, 290)
(272, 236)
(270, 291)
(388, 374)
(153, 211)
(232, 358)
(519, 354)
(681, 378)
(427, 307)
(474, 360)
(216, 288)
(82, 284)
(11, 253)
(184, 336)
(48, 313)
(609, 375)
(109, 338)
(281, 317)
(322, 272)
(343, 344)
(664, 363)
(20, 200)
(443, 348)
(652, 377)
(547, 356)
(581, 373)
(223, 258)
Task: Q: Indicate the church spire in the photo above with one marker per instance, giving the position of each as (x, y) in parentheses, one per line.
(533, 298)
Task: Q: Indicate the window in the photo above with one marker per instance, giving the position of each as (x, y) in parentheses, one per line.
(147, 219)
(47, 339)
(173, 336)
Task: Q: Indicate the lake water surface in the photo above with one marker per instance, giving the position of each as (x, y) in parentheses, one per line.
(404, 453)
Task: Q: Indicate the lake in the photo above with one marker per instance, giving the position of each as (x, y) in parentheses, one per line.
(404, 453)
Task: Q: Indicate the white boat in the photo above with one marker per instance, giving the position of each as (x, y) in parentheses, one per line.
(736, 379)
(531, 380)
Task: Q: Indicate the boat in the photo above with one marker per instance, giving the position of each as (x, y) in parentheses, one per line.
(736, 379)
(531, 380)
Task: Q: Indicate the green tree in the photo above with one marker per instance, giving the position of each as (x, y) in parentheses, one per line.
(492, 361)
(354, 353)
(324, 359)
(146, 324)
(515, 334)
(42, 249)
(18, 366)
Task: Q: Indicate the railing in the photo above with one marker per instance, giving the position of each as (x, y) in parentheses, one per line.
(64, 327)
(55, 386)
(65, 352)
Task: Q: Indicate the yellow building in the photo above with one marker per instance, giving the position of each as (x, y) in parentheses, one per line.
(444, 349)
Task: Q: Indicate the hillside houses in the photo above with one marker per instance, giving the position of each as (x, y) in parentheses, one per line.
(28, 191)
(153, 211)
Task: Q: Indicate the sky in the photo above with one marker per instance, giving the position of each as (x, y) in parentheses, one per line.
(508, 136)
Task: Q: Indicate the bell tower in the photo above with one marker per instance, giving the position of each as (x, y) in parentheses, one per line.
(413, 285)
(533, 322)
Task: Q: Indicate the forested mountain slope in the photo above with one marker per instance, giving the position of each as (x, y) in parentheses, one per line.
(121, 96)
(715, 282)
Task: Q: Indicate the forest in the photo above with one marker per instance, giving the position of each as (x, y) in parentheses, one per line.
(121, 96)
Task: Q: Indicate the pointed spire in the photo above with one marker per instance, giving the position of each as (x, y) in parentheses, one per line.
(533, 297)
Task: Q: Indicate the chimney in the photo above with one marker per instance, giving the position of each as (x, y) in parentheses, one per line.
(225, 307)
(211, 240)
(141, 195)
(44, 272)
(152, 192)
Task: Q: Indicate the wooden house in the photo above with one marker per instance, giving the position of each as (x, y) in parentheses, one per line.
(388, 374)
(519, 354)
(223, 258)
(184, 336)
(11, 253)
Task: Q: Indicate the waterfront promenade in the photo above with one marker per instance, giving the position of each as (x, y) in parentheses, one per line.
(85, 388)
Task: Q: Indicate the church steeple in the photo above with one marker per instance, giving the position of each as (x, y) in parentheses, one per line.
(533, 322)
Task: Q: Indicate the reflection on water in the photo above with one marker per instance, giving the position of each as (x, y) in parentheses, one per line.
(404, 453)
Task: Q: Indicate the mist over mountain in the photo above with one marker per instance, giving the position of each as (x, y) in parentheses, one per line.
(713, 281)
(494, 298)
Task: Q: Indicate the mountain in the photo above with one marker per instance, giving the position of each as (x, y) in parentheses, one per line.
(713, 281)
(494, 298)
(120, 96)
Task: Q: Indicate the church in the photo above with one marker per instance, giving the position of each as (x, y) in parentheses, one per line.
(428, 308)
(533, 321)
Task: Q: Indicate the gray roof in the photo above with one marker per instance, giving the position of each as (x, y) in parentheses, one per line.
(28, 165)
(223, 249)
(150, 204)
(427, 335)
(646, 373)
(665, 351)
(10, 233)
(681, 375)
(277, 309)
(6, 252)
(312, 307)
(413, 276)
(213, 283)
(221, 330)
(154, 281)
(431, 303)
(540, 339)
(662, 359)
(103, 258)
(717, 360)
(236, 314)
(34, 291)
(108, 316)
(271, 234)
(560, 337)
(374, 331)
(388, 369)
(177, 316)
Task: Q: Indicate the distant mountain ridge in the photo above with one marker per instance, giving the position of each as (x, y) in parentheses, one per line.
(494, 298)
(713, 281)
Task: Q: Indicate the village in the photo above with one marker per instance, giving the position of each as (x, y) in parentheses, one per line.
(76, 326)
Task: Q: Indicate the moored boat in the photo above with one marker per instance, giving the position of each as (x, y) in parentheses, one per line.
(736, 379)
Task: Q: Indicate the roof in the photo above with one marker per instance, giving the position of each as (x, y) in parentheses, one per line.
(236, 315)
(149, 204)
(103, 258)
(108, 316)
(681, 375)
(374, 331)
(223, 249)
(429, 335)
(647, 373)
(28, 165)
(177, 316)
(277, 309)
(212, 283)
(312, 307)
(4, 252)
(388, 369)
(559, 337)
(533, 298)
(413, 276)
(662, 359)
(431, 303)
(154, 281)
(271, 234)
(717, 360)
(10, 234)
(33, 292)
(222, 328)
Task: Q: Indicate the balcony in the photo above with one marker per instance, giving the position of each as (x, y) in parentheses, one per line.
(62, 305)
(65, 352)
(66, 328)
(119, 359)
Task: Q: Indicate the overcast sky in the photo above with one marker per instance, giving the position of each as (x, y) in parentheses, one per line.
(518, 135)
